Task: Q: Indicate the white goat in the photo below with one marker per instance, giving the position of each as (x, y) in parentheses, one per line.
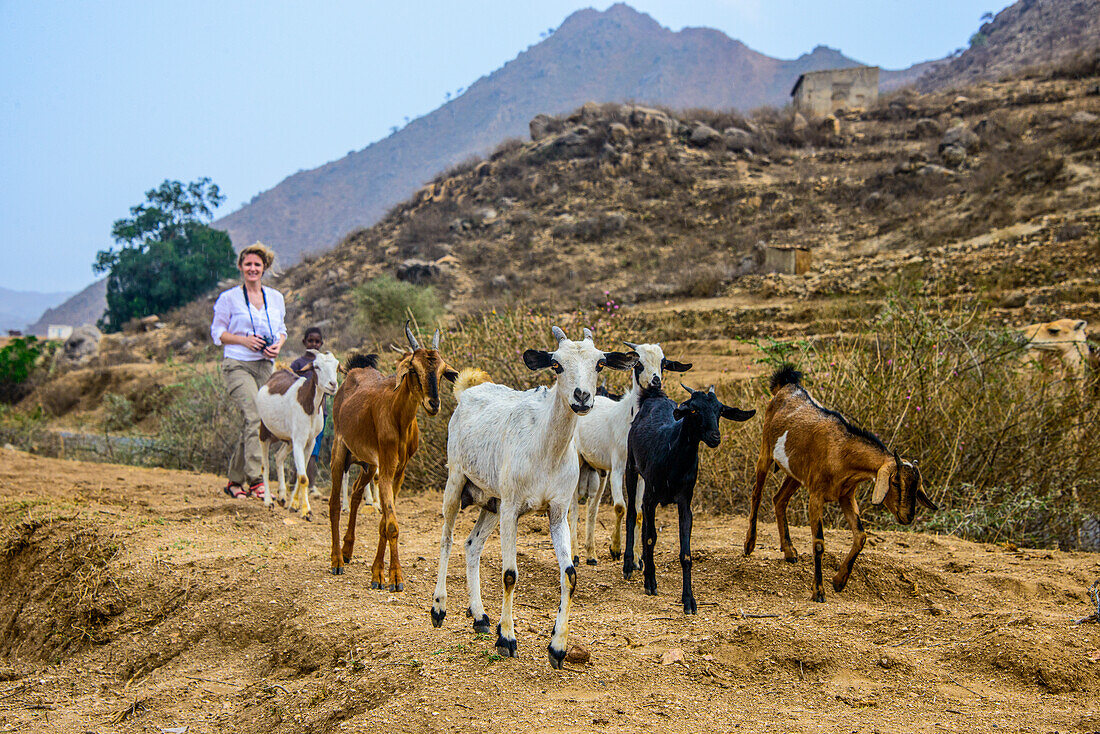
(511, 452)
(601, 442)
(290, 411)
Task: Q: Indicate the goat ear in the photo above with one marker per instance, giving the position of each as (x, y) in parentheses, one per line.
(403, 369)
(923, 499)
(736, 414)
(674, 366)
(536, 359)
(619, 360)
(882, 482)
(450, 375)
(678, 412)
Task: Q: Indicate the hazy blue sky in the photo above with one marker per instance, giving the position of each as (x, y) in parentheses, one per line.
(100, 101)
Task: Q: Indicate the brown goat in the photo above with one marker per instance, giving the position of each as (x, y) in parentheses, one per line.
(374, 419)
(823, 450)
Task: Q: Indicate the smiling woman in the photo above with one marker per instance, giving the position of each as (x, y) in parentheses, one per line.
(249, 322)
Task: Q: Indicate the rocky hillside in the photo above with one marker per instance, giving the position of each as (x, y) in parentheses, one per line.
(611, 56)
(1026, 34)
(655, 207)
(86, 307)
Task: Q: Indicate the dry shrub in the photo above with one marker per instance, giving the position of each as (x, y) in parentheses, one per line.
(198, 425)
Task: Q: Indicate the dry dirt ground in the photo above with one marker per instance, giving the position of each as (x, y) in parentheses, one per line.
(144, 600)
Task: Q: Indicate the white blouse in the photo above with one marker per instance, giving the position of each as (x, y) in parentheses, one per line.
(234, 313)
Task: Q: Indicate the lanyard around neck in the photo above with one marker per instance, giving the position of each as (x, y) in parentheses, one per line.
(248, 307)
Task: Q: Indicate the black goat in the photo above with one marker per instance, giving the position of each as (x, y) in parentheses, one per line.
(663, 447)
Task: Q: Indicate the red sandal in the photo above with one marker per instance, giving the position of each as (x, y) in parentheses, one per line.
(258, 491)
(235, 491)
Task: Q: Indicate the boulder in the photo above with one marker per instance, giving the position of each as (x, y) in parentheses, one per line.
(81, 346)
(953, 155)
(737, 139)
(539, 126)
(704, 135)
(618, 133)
(1083, 117)
(647, 118)
(831, 125)
(927, 128)
(417, 272)
(962, 137)
(798, 123)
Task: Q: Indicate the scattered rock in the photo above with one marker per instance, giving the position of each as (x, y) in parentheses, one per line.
(1083, 117)
(1017, 299)
(647, 118)
(831, 125)
(577, 655)
(186, 347)
(675, 655)
(798, 123)
(618, 133)
(499, 281)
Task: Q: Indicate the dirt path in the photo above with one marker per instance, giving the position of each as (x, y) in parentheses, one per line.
(135, 600)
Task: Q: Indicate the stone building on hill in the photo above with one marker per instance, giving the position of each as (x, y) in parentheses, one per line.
(824, 92)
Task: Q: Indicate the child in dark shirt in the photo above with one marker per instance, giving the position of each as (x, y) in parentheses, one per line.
(313, 339)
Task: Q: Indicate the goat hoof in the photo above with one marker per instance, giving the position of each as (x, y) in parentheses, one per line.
(616, 555)
(375, 585)
(396, 587)
(792, 558)
(437, 617)
(591, 562)
(309, 517)
(819, 596)
(483, 625)
(690, 606)
(506, 648)
(557, 657)
(651, 590)
(627, 575)
(839, 584)
(576, 560)
(337, 570)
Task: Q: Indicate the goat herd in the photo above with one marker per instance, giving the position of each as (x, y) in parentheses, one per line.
(510, 452)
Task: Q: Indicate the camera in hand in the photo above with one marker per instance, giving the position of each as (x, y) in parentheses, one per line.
(267, 342)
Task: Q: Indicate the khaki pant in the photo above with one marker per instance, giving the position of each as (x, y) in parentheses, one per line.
(243, 380)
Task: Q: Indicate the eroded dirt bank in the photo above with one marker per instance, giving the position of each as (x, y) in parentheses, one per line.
(133, 600)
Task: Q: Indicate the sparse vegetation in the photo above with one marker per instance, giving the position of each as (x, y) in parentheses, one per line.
(386, 301)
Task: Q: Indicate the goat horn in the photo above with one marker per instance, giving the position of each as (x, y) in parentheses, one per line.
(711, 390)
(588, 334)
(558, 333)
(435, 340)
(688, 388)
(632, 345)
(897, 459)
(412, 339)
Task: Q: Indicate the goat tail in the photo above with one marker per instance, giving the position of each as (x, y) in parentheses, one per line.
(469, 377)
(358, 360)
(785, 375)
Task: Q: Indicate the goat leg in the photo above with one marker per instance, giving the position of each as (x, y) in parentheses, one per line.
(782, 497)
(451, 504)
(630, 484)
(684, 507)
(649, 539)
(338, 467)
(475, 544)
(754, 508)
(506, 630)
(859, 537)
(816, 507)
(559, 636)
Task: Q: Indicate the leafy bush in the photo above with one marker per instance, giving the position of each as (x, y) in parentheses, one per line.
(387, 301)
(118, 412)
(18, 361)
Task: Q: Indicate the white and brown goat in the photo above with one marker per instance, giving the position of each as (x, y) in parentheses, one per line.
(823, 450)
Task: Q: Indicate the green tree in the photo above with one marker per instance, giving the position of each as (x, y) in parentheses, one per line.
(167, 254)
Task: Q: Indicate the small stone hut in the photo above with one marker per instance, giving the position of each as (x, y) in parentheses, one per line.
(787, 260)
(824, 92)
